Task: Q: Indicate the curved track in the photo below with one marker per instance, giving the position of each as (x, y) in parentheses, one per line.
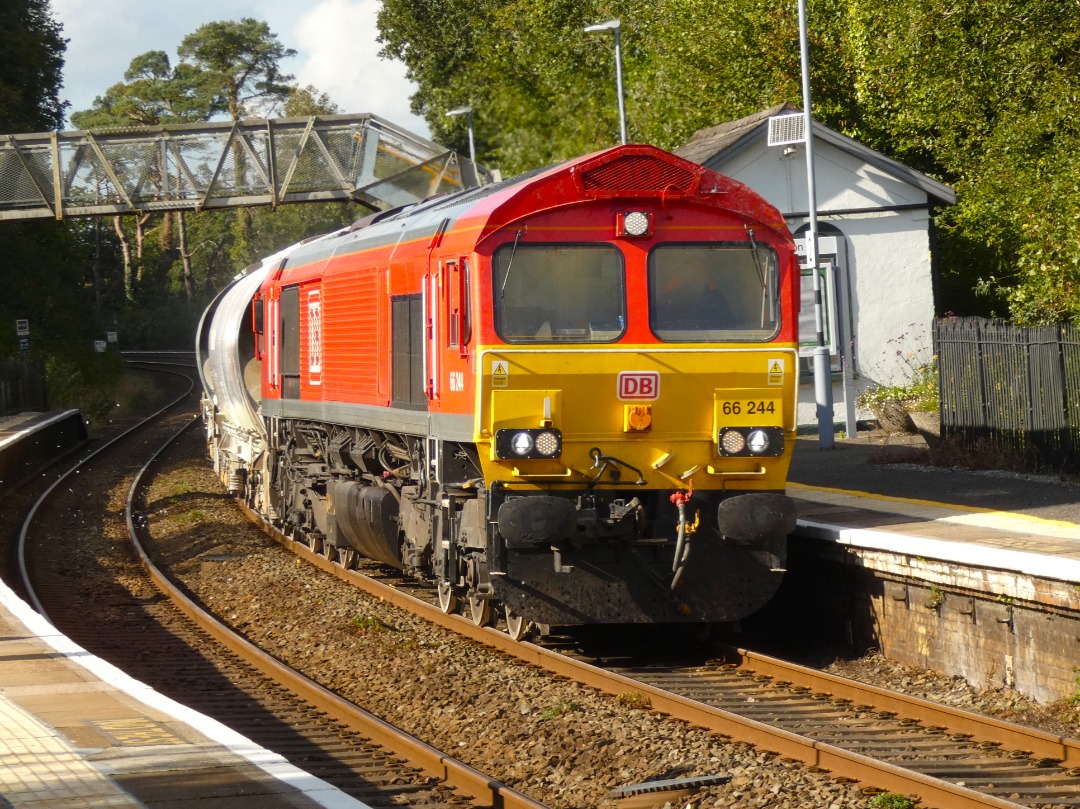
(882, 739)
(176, 648)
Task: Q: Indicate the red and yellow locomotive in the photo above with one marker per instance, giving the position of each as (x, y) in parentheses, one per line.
(570, 394)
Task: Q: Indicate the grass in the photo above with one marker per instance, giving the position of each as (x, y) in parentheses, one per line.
(192, 517)
(891, 800)
(633, 699)
(560, 709)
(367, 624)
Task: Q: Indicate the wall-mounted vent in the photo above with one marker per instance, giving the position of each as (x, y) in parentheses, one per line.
(638, 174)
(787, 129)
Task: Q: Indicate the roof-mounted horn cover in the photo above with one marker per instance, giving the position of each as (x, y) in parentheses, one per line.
(638, 171)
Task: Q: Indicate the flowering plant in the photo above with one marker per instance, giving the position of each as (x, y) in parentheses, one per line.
(917, 388)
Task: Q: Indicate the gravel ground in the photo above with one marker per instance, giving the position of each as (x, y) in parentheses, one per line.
(565, 745)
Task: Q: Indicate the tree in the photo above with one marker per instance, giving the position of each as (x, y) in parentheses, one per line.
(238, 66)
(31, 61)
(981, 96)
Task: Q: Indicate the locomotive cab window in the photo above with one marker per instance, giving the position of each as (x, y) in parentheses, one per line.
(714, 292)
(559, 293)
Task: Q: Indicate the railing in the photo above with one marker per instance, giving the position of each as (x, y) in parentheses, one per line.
(1016, 387)
(223, 165)
(22, 386)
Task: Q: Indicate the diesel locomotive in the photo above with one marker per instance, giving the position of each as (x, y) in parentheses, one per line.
(568, 396)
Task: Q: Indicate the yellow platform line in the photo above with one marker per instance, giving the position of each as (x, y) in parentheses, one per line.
(942, 512)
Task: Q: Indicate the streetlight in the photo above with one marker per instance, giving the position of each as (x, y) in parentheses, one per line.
(615, 25)
(467, 112)
(822, 364)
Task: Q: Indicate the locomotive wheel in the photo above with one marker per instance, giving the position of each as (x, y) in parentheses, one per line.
(448, 602)
(516, 626)
(479, 610)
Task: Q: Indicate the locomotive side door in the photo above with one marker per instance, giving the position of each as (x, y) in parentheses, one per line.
(456, 329)
(289, 344)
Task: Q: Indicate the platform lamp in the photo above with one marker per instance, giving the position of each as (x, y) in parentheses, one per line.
(467, 112)
(616, 26)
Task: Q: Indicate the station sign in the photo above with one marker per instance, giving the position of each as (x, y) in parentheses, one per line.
(22, 327)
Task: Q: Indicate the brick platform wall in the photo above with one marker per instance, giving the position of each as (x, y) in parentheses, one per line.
(1007, 632)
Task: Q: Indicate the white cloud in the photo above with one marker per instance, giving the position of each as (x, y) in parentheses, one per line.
(334, 40)
(339, 56)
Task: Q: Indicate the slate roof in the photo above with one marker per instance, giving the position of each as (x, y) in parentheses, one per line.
(714, 145)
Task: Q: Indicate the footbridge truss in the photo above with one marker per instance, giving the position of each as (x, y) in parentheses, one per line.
(263, 161)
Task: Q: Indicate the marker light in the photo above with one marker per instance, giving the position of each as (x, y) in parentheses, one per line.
(744, 441)
(633, 223)
(732, 442)
(545, 442)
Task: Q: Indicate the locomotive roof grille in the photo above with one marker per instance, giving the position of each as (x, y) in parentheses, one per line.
(639, 174)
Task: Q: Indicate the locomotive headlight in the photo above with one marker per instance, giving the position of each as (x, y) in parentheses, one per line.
(758, 442)
(522, 444)
(633, 223)
(545, 442)
(744, 441)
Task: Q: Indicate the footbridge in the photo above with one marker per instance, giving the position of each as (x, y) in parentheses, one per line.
(229, 164)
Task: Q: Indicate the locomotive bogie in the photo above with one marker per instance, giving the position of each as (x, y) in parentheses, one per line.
(572, 394)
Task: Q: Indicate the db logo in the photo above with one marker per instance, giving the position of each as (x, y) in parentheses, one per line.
(639, 385)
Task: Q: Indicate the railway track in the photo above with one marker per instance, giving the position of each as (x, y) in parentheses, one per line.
(885, 740)
(79, 571)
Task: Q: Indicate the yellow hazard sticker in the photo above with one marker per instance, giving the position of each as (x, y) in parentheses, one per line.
(500, 373)
(776, 371)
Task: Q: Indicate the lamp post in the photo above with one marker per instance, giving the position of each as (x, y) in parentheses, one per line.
(822, 364)
(467, 112)
(616, 26)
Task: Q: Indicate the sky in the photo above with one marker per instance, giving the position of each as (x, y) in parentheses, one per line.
(334, 41)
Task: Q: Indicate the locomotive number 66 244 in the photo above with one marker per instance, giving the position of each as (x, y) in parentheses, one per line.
(569, 396)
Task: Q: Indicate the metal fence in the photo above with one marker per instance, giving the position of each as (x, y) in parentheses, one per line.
(1017, 387)
(22, 386)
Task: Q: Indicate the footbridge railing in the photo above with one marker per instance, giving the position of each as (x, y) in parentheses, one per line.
(264, 161)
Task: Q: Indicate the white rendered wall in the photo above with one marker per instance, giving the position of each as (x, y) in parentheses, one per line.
(888, 256)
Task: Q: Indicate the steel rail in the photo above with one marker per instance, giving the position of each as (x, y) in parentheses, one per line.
(20, 549)
(1036, 742)
(431, 760)
(837, 761)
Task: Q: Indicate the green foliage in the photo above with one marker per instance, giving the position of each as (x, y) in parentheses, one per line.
(891, 800)
(914, 372)
(560, 709)
(981, 96)
(364, 624)
(237, 65)
(31, 59)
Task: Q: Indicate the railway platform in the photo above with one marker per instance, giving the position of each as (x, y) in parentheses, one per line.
(78, 733)
(30, 441)
(871, 493)
(972, 573)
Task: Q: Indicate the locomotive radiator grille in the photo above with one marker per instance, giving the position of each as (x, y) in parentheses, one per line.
(639, 173)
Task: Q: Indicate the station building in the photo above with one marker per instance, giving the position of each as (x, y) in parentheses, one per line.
(875, 239)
